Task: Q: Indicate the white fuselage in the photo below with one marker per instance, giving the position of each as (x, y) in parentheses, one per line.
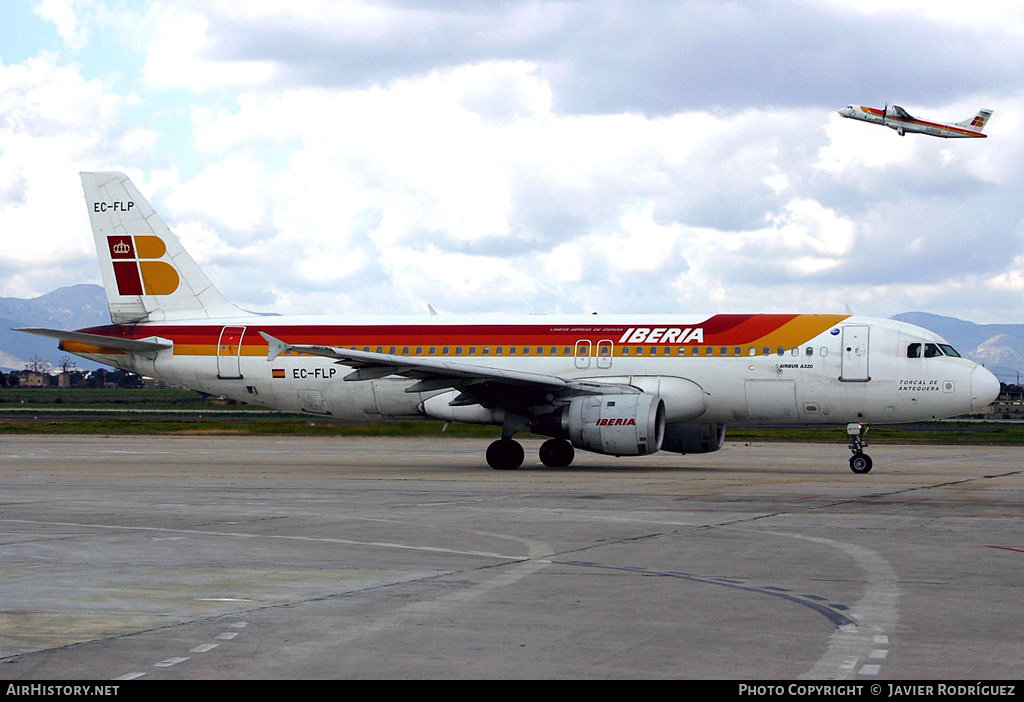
(845, 369)
(904, 123)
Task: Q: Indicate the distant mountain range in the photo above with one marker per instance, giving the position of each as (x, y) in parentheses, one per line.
(1000, 347)
(72, 307)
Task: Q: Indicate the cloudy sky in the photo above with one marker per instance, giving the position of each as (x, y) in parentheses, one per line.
(376, 156)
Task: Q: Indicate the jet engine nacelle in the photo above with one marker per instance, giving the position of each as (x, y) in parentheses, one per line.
(617, 425)
(693, 438)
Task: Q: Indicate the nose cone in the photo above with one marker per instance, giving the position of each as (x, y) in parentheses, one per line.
(984, 388)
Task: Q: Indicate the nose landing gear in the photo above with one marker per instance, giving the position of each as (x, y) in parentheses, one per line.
(860, 462)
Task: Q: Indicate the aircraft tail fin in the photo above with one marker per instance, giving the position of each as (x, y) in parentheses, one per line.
(147, 273)
(977, 122)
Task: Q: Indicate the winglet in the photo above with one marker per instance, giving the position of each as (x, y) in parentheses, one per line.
(275, 347)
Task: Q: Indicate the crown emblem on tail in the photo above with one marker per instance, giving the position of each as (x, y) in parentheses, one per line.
(121, 248)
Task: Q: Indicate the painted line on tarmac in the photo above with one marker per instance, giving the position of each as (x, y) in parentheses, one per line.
(243, 535)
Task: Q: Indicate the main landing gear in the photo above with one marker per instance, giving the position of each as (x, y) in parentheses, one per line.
(860, 462)
(556, 453)
(507, 454)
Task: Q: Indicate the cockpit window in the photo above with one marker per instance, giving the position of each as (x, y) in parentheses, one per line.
(931, 350)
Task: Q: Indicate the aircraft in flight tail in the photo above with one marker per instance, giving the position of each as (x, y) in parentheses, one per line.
(895, 117)
(618, 385)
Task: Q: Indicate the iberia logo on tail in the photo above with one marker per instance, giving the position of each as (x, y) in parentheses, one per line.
(136, 269)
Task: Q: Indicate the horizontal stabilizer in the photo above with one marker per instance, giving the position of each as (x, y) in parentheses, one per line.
(111, 342)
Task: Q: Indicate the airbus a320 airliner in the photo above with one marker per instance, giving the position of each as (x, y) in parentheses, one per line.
(619, 385)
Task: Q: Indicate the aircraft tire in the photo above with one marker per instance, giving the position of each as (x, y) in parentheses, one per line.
(860, 463)
(556, 453)
(505, 454)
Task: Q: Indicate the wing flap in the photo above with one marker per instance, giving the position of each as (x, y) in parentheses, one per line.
(376, 365)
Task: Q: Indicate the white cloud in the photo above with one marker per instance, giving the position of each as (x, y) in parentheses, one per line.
(65, 18)
(53, 124)
(177, 54)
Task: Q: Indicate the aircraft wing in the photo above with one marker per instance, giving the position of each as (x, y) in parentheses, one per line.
(110, 342)
(435, 374)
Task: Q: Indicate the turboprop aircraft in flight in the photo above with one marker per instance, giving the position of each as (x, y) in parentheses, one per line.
(895, 117)
(619, 385)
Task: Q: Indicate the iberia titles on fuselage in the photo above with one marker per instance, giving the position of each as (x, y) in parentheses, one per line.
(612, 384)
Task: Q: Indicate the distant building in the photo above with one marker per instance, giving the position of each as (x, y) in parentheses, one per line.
(32, 379)
(1009, 405)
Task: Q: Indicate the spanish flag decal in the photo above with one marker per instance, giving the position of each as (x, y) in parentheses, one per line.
(277, 373)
